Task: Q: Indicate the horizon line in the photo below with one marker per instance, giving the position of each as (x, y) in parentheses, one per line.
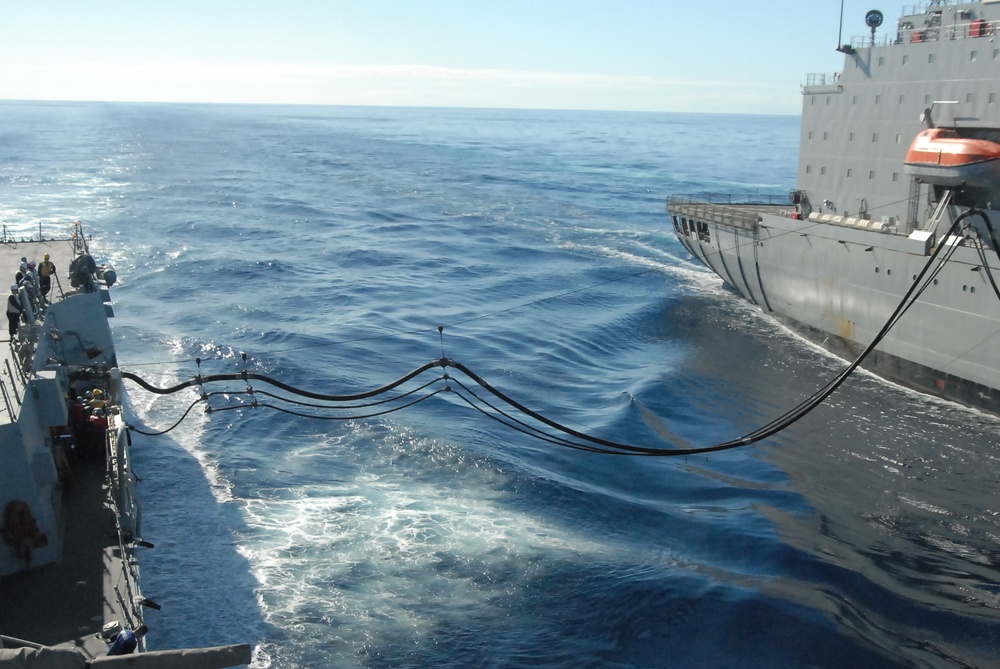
(31, 100)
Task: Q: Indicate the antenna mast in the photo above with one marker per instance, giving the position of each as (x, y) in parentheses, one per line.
(840, 33)
(841, 47)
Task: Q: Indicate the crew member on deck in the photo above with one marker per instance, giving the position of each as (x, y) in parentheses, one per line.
(30, 288)
(98, 421)
(45, 271)
(96, 400)
(127, 641)
(14, 310)
(78, 412)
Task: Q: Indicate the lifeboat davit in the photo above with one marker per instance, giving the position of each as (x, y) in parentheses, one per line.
(939, 156)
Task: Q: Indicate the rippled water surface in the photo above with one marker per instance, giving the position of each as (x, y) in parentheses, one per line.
(328, 244)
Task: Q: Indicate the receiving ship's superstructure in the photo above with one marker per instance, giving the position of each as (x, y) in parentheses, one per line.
(857, 125)
(899, 159)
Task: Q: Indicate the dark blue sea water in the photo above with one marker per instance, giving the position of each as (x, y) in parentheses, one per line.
(329, 244)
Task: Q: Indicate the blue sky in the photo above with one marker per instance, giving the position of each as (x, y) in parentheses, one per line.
(734, 56)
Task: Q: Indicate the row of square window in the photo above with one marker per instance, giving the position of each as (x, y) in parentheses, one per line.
(850, 136)
(973, 54)
(850, 173)
(928, 98)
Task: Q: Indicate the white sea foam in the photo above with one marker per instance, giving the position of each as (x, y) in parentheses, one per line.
(379, 552)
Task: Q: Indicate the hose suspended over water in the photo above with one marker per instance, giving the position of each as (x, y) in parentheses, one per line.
(514, 414)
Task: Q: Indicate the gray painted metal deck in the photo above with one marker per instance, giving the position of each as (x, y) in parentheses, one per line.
(68, 602)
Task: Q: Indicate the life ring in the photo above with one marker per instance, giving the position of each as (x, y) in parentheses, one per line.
(988, 28)
(20, 529)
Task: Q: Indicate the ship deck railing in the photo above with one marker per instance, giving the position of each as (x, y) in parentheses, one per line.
(974, 29)
(923, 7)
(12, 381)
(822, 79)
(745, 215)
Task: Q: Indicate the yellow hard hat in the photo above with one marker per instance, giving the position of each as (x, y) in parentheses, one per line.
(97, 391)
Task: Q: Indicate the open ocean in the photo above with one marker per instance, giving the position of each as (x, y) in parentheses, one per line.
(329, 243)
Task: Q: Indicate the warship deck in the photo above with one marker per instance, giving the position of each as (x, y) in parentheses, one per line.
(67, 602)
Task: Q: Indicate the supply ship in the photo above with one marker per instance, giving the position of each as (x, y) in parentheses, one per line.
(71, 537)
(889, 236)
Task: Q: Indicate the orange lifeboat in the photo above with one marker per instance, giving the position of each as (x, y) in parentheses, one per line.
(939, 156)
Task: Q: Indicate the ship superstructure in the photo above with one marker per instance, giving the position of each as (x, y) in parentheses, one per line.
(898, 159)
(942, 63)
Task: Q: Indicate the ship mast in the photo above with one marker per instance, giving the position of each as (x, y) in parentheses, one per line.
(843, 48)
(840, 32)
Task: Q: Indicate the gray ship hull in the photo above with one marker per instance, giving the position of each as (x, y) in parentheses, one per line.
(837, 281)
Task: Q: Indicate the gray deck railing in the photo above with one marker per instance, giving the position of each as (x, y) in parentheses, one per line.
(971, 30)
(8, 236)
(822, 79)
(738, 199)
(974, 29)
(922, 7)
(9, 385)
(739, 215)
(8, 404)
